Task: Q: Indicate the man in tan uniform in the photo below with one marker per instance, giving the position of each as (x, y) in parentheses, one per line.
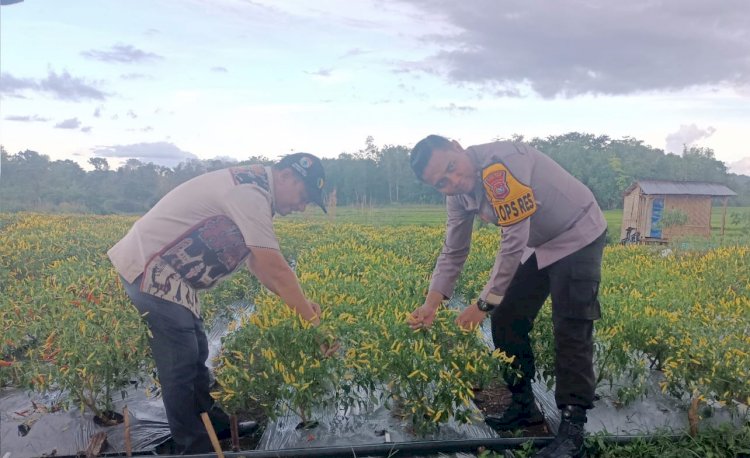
(195, 236)
(553, 235)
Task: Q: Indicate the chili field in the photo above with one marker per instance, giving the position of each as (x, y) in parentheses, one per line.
(67, 326)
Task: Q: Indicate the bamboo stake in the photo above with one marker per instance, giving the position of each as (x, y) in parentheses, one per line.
(97, 443)
(128, 445)
(724, 219)
(234, 427)
(212, 434)
(693, 415)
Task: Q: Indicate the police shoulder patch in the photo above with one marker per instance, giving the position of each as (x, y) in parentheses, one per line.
(512, 200)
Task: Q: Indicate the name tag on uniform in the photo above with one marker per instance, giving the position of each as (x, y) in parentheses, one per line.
(512, 200)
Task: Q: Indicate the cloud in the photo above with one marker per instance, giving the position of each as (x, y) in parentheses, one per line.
(86, 129)
(141, 129)
(131, 114)
(134, 76)
(161, 153)
(354, 52)
(323, 72)
(508, 92)
(32, 118)
(454, 109)
(741, 167)
(219, 69)
(122, 54)
(416, 67)
(98, 112)
(574, 47)
(328, 75)
(12, 86)
(686, 136)
(72, 123)
(66, 87)
(61, 86)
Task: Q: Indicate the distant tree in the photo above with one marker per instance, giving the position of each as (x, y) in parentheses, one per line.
(65, 181)
(100, 164)
(131, 164)
(257, 159)
(609, 166)
(25, 180)
(371, 175)
(700, 164)
(394, 162)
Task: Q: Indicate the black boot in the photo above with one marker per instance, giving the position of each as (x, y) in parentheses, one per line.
(569, 440)
(521, 412)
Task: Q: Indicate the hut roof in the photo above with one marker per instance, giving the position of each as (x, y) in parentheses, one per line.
(691, 188)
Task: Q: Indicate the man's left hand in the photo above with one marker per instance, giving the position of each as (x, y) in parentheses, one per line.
(330, 348)
(316, 307)
(471, 317)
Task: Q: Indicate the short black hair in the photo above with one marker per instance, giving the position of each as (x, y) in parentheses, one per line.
(422, 152)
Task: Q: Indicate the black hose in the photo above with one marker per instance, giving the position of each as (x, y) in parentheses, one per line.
(417, 448)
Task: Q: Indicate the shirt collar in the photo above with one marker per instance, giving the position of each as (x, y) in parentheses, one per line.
(478, 193)
(271, 188)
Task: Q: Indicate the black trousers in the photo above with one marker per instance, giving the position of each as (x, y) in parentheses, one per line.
(180, 348)
(573, 282)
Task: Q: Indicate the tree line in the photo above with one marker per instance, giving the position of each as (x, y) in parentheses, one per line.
(30, 181)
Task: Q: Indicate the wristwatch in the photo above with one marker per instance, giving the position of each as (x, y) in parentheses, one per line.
(485, 306)
(493, 300)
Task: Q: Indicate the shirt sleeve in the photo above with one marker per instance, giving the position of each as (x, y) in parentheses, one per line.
(512, 247)
(455, 248)
(250, 209)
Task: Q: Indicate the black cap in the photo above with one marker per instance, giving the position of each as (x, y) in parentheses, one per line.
(310, 169)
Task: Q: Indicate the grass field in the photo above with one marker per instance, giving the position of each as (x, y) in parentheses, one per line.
(432, 215)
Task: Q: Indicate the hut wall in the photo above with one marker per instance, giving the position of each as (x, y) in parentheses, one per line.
(630, 211)
(698, 211)
(644, 214)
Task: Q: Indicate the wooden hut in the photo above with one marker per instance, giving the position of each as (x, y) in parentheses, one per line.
(647, 201)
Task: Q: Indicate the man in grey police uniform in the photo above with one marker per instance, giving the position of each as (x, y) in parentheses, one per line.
(553, 235)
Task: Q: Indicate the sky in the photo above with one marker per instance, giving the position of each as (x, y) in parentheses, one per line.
(167, 80)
